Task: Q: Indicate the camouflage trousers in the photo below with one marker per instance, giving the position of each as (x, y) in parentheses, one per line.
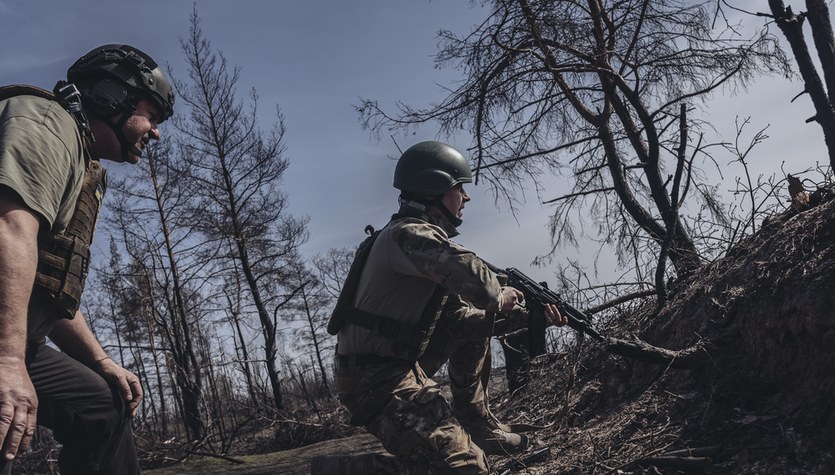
(403, 407)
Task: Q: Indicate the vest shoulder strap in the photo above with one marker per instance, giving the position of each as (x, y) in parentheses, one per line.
(13, 90)
(66, 94)
(413, 337)
(344, 304)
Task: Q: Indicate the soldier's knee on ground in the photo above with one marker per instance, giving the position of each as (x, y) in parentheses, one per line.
(423, 429)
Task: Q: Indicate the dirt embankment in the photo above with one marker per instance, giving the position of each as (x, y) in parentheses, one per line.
(763, 400)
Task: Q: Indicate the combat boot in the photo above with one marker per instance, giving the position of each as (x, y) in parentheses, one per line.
(366, 464)
(491, 438)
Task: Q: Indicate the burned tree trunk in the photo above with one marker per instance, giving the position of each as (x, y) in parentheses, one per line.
(792, 27)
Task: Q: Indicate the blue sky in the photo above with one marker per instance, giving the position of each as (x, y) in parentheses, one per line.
(315, 59)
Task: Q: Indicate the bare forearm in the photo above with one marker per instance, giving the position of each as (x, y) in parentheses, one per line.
(18, 261)
(75, 338)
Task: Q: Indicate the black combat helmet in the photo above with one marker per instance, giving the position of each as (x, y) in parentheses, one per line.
(431, 168)
(113, 78)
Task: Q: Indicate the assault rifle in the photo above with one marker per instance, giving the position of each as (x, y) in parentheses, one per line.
(539, 294)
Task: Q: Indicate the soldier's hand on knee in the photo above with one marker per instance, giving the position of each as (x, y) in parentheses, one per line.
(127, 383)
(18, 407)
(136, 394)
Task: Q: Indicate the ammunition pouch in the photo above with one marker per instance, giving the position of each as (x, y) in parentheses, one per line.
(64, 259)
(62, 268)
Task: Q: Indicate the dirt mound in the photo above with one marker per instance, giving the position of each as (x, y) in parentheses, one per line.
(762, 400)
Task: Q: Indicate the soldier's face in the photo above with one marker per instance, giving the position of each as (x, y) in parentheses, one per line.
(141, 128)
(454, 200)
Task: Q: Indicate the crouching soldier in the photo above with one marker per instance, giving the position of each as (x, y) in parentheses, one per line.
(51, 185)
(412, 301)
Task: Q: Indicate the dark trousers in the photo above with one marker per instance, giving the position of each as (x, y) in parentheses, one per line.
(87, 416)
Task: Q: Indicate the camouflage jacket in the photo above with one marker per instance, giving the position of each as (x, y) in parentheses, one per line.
(408, 260)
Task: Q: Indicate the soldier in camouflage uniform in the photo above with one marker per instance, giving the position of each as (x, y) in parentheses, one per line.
(413, 301)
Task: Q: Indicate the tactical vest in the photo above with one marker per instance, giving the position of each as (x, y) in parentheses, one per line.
(64, 259)
(413, 337)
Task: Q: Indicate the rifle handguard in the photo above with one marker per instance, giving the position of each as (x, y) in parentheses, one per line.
(538, 294)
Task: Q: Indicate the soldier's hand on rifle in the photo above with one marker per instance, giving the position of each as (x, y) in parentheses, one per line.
(553, 315)
(510, 297)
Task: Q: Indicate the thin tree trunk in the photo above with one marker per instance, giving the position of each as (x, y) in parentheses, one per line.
(819, 21)
(162, 415)
(792, 27)
(267, 327)
(188, 367)
(241, 349)
(316, 344)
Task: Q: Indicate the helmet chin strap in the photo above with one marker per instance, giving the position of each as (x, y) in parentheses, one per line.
(118, 128)
(424, 203)
(454, 220)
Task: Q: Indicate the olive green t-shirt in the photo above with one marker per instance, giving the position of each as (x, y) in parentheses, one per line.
(42, 160)
(41, 157)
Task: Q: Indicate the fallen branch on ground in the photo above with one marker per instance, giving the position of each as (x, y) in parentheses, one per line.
(687, 358)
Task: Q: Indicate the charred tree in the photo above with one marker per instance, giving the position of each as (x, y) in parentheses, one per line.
(240, 208)
(149, 216)
(820, 92)
(593, 87)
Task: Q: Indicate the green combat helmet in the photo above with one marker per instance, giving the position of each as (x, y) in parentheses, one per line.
(431, 168)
